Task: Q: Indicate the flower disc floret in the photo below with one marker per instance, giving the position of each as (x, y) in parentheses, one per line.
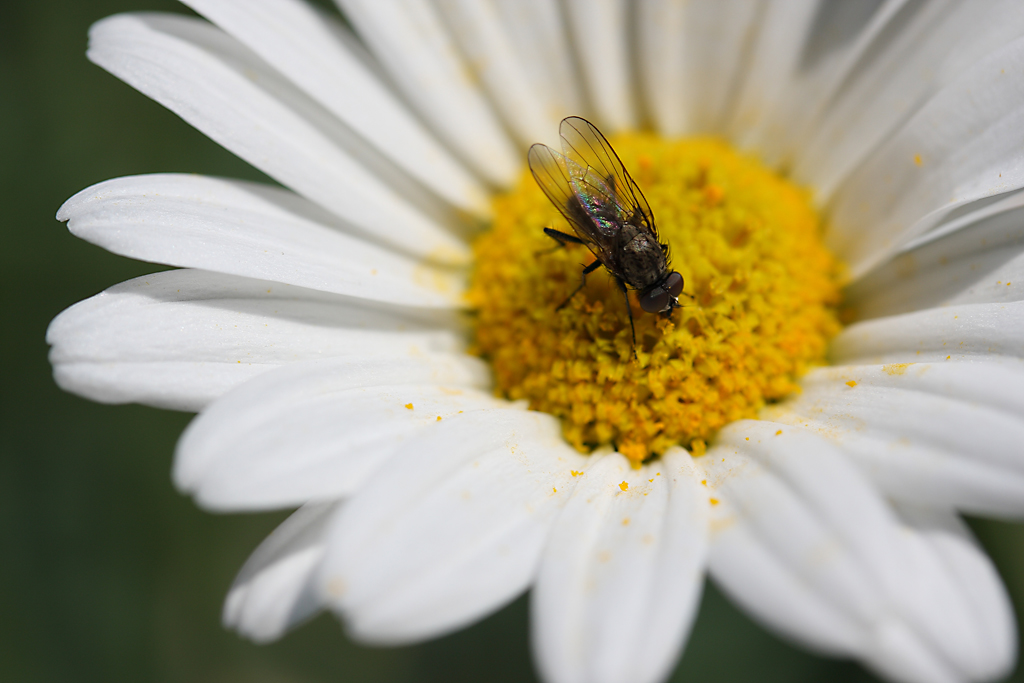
(764, 291)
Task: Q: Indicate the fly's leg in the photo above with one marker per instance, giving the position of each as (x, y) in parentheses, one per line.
(583, 280)
(629, 309)
(563, 238)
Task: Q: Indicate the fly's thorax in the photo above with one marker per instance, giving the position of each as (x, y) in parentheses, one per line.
(747, 244)
(641, 258)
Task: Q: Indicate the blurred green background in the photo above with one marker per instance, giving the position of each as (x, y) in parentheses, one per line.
(106, 572)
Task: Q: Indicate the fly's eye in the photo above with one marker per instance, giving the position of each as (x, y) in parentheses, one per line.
(674, 284)
(654, 300)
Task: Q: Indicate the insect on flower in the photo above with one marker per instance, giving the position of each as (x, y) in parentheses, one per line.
(609, 214)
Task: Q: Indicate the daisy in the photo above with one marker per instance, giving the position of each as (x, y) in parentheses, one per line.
(319, 328)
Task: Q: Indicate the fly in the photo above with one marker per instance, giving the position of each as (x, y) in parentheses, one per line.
(589, 185)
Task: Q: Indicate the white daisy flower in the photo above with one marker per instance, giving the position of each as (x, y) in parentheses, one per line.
(316, 328)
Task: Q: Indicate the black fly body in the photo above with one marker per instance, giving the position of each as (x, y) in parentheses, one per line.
(589, 185)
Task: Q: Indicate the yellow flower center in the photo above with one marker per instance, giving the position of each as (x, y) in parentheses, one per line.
(746, 241)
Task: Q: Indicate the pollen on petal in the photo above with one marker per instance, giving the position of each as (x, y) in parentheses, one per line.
(623, 486)
(759, 304)
(896, 368)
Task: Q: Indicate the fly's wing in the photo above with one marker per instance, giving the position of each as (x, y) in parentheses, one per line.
(585, 146)
(580, 196)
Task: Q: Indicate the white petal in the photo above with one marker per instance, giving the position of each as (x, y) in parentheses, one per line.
(995, 434)
(946, 535)
(818, 515)
(317, 430)
(842, 34)
(926, 47)
(274, 591)
(692, 59)
(172, 385)
(936, 433)
(963, 145)
(794, 530)
(779, 46)
(320, 56)
(477, 27)
(228, 93)
(663, 68)
(968, 216)
(954, 332)
(622, 573)
(181, 338)
(410, 41)
(541, 41)
(599, 30)
(992, 383)
(452, 529)
(252, 230)
(716, 43)
(746, 569)
(976, 261)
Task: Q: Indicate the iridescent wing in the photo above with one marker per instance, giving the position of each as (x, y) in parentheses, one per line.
(584, 146)
(582, 197)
